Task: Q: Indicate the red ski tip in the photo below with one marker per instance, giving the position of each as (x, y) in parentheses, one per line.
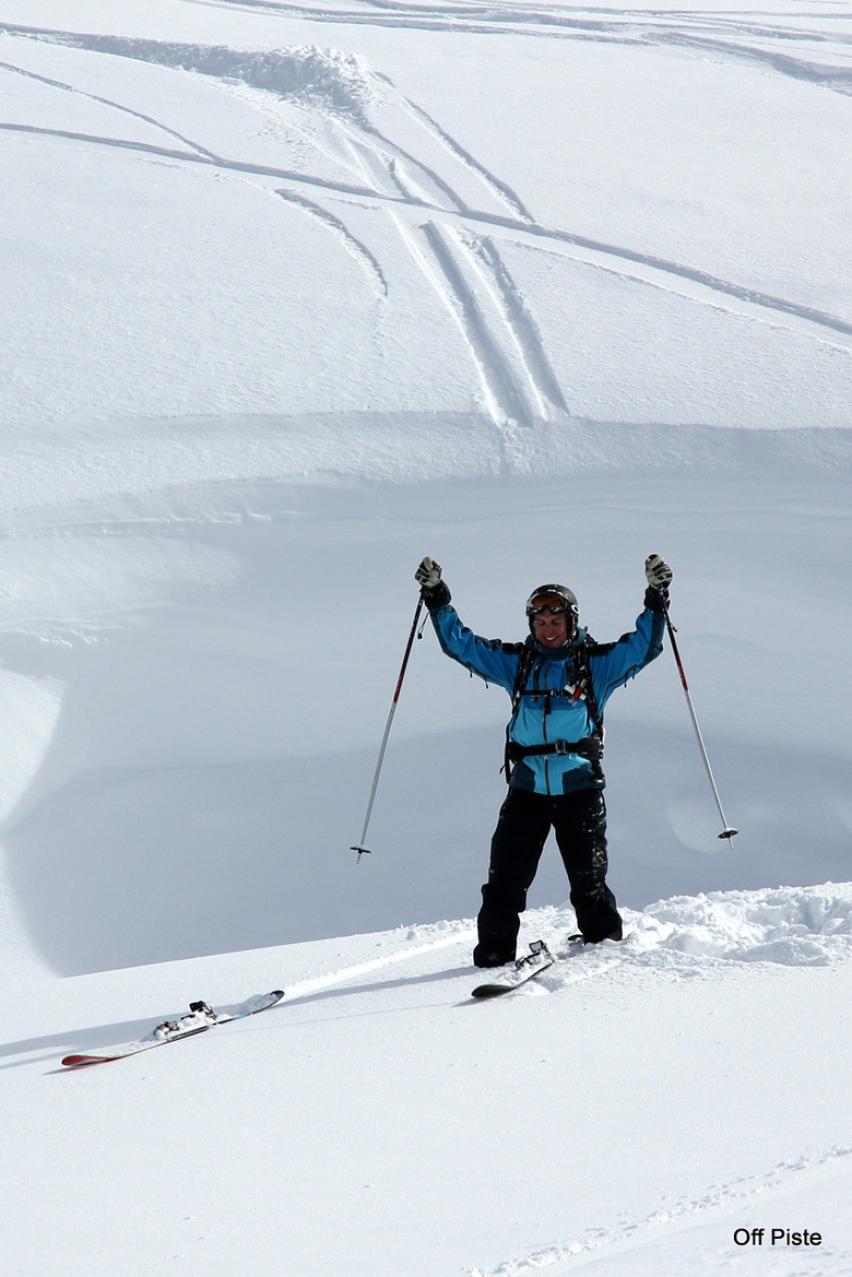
(75, 1060)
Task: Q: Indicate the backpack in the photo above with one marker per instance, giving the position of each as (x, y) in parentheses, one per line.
(579, 687)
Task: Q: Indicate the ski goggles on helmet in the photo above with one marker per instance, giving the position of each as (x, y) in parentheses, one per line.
(547, 609)
(550, 600)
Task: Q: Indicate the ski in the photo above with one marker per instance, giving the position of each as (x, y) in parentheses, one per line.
(541, 959)
(525, 969)
(200, 1017)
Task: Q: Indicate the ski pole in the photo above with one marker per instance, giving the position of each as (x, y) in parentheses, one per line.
(727, 830)
(359, 846)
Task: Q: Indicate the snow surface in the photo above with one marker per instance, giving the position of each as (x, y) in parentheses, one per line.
(296, 293)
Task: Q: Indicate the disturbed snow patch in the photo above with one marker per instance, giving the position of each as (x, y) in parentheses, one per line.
(338, 82)
(794, 926)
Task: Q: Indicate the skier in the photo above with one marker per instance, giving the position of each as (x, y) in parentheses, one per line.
(559, 680)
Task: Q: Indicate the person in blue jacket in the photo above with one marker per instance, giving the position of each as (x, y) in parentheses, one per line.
(559, 680)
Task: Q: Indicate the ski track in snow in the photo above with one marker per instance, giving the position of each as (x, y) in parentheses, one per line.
(117, 106)
(499, 187)
(780, 926)
(429, 246)
(448, 934)
(836, 79)
(518, 384)
(454, 247)
(523, 326)
(718, 1198)
(352, 245)
(673, 276)
(637, 27)
(506, 397)
(451, 244)
(475, 299)
(326, 78)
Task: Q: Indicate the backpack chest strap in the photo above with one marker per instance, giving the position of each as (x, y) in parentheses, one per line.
(589, 747)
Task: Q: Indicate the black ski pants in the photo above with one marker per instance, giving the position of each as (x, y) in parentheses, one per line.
(579, 822)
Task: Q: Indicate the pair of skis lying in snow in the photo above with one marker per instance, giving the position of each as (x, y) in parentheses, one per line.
(201, 1016)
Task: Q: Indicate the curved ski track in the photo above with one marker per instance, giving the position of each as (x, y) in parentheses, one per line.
(595, 252)
(736, 1193)
(354, 246)
(518, 384)
(636, 27)
(452, 244)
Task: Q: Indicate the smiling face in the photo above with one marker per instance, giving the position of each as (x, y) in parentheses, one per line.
(550, 629)
(552, 615)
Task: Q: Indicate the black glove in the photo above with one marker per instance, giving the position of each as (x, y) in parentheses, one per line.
(433, 590)
(659, 576)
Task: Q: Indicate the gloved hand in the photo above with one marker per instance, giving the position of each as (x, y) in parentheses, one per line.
(433, 590)
(428, 574)
(659, 575)
(658, 572)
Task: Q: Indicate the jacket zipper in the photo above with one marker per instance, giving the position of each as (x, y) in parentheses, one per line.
(545, 713)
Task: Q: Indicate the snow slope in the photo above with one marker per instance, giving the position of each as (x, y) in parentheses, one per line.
(625, 1113)
(296, 293)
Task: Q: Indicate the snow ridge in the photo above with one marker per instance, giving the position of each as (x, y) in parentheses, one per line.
(339, 82)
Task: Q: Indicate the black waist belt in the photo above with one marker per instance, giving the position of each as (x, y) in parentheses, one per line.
(590, 747)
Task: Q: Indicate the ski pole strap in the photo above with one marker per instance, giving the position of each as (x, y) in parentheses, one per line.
(590, 747)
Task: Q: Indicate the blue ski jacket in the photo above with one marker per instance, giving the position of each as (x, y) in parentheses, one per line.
(553, 704)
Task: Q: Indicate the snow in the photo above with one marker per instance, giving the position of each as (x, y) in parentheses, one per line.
(296, 294)
(635, 1101)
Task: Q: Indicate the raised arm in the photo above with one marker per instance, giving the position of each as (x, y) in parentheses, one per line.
(490, 659)
(617, 662)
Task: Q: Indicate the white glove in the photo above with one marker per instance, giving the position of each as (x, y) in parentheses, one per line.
(428, 574)
(657, 572)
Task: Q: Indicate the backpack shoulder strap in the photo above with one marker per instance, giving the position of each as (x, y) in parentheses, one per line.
(584, 677)
(526, 657)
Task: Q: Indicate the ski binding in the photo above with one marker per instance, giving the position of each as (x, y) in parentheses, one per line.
(537, 960)
(200, 1017)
